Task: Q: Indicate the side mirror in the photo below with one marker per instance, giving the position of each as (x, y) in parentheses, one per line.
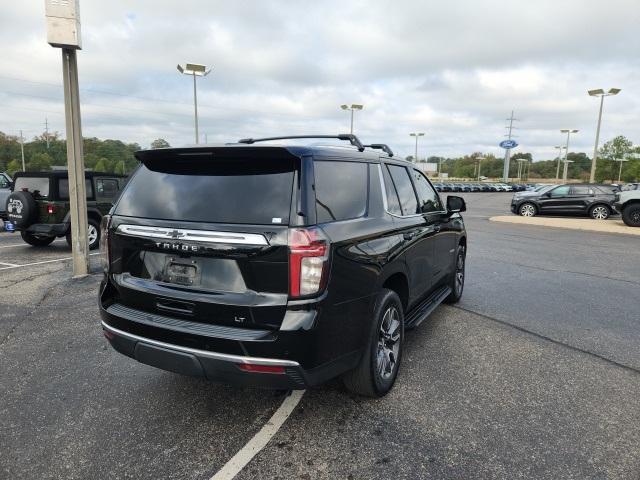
(455, 204)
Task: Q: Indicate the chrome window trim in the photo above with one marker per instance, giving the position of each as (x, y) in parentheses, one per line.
(205, 236)
(386, 205)
(226, 357)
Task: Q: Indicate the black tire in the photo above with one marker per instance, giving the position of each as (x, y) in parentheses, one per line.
(527, 209)
(456, 282)
(600, 212)
(631, 215)
(36, 240)
(367, 379)
(93, 234)
(22, 210)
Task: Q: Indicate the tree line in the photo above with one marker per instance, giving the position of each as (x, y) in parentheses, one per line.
(113, 156)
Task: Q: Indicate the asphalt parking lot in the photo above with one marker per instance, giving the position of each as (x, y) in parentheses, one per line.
(535, 374)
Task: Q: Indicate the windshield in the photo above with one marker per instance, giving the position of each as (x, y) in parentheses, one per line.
(238, 191)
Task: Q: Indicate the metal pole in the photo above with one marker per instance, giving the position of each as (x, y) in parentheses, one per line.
(507, 154)
(595, 148)
(22, 150)
(415, 159)
(479, 163)
(566, 157)
(195, 107)
(77, 194)
(351, 130)
(620, 171)
(559, 160)
(46, 130)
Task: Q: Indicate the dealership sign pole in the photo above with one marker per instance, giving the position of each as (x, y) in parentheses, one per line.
(63, 31)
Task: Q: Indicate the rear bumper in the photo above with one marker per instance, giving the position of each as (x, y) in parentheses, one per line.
(215, 366)
(51, 229)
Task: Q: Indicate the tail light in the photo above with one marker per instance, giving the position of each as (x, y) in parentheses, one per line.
(51, 209)
(104, 242)
(308, 261)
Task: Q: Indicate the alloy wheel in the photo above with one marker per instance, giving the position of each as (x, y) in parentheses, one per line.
(527, 210)
(92, 234)
(388, 343)
(459, 283)
(600, 213)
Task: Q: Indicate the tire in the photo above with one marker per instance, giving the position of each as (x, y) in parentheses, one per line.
(22, 210)
(36, 240)
(93, 235)
(631, 215)
(378, 368)
(456, 283)
(527, 210)
(599, 212)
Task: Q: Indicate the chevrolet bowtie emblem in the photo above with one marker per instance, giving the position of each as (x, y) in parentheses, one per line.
(177, 234)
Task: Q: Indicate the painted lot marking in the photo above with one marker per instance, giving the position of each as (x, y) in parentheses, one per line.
(39, 263)
(26, 244)
(9, 264)
(260, 439)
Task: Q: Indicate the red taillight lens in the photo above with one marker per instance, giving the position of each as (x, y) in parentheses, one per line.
(104, 242)
(308, 261)
(250, 367)
(51, 209)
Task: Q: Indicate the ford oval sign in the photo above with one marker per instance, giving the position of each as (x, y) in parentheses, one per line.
(508, 144)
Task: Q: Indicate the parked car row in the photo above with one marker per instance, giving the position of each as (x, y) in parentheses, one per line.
(481, 187)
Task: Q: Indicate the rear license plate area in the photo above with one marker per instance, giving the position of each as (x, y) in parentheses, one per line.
(182, 271)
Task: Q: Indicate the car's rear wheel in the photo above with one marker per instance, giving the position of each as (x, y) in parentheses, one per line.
(527, 210)
(631, 215)
(457, 278)
(599, 212)
(378, 368)
(37, 240)
(93, 235)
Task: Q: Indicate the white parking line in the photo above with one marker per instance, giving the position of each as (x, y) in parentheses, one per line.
(38, 263)
(26, 244)
(260, 439)
(9, 264)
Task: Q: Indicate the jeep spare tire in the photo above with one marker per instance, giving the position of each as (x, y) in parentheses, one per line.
(21, 209)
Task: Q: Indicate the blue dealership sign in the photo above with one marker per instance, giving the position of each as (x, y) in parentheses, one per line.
(508, 144)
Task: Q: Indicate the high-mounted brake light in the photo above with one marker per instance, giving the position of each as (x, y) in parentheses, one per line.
(104, 242)
(308, 261)
(50, 209)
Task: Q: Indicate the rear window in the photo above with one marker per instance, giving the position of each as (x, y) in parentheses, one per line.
(217, 191)
(341, 190)
(39, 186)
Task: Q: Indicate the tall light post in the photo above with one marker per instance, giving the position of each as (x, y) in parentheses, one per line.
(568, 131)
(354, 106)
(196, 70)
(599, 93)
(559, 147)
(417, 135)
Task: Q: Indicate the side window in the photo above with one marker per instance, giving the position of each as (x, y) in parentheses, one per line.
(106, 188)
(341, 190)
(393, 203)
(560, 191)
(581, 190)
(403, 185)
(4, 182)
(63, 188)
(427, 196)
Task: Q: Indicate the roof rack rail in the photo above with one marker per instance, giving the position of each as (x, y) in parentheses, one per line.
(381, 146)
(343, 136)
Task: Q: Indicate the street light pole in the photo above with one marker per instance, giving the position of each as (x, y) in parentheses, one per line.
(599, 93)
(196, 70)
(354, 106)
(22, 150)
(560, 147)
(417, 134)
(568, 131)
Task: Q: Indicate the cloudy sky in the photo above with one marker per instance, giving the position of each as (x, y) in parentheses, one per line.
(453, 69)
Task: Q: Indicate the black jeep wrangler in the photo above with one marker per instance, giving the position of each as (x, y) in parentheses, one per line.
(38, 207)
(279, 266)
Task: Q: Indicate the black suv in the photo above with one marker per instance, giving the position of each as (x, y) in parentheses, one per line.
(277, 266)
(39, 206)
(573, 199)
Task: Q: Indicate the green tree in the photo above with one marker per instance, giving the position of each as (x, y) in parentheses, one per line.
(160, 143)
(610, 155)
(13, 166)
(39, 162)
(101, 165)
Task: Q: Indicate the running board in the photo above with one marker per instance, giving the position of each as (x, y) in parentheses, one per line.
(421, 311)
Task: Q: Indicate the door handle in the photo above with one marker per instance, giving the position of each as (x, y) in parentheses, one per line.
(436, 228)
(408, 235)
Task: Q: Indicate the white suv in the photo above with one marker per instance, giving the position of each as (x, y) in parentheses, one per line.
(628, 204)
